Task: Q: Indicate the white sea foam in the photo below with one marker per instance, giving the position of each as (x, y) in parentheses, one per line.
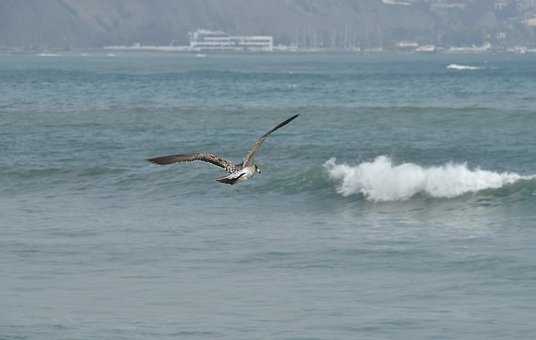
(45, 54)
(380, 180)
(462, 67)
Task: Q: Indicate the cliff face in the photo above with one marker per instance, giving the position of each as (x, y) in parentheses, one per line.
(320, 23)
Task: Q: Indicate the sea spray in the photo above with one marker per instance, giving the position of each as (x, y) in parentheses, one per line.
(380, 180)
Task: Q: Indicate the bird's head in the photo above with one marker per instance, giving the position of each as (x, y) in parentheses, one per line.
(257, 169)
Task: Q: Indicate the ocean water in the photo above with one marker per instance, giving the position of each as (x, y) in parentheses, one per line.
(401, 204)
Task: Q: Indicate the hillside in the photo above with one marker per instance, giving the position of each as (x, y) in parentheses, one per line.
(321, 23)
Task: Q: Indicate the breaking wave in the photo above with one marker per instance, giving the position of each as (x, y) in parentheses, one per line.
(45, 54)
(462, 67)
(380, 180)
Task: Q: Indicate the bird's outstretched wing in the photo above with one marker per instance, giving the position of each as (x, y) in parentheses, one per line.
(198, 156)
(251, 154)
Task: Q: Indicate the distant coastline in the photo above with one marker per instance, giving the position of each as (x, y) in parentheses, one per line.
(515, 50)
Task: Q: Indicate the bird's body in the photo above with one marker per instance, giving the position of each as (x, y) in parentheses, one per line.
(237, 172)
(240, 175)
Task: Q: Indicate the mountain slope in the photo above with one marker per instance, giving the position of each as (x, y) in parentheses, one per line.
(335, 23)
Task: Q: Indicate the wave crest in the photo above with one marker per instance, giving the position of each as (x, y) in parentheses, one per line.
(462, 67)
(380, 180)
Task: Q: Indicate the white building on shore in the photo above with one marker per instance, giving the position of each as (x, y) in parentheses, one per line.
(205, 40)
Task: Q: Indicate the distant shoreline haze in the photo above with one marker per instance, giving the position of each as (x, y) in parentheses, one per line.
(307, 24)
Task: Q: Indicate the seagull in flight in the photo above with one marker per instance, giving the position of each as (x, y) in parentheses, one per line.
(237, 172)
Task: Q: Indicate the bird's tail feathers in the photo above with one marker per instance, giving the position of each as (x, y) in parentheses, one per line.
(229, 179)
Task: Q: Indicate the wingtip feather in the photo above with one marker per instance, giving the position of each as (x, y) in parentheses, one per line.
(162, 160)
